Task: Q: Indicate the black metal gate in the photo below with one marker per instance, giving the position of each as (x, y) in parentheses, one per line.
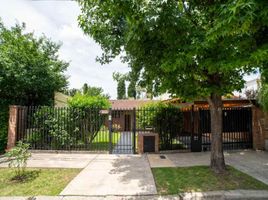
(173, 126)
(237, 128)
(66, 129)
(123, 134)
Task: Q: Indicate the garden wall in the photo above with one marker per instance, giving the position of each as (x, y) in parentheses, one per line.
(260, 129)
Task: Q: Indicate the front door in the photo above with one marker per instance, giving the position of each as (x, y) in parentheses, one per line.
(127, 122)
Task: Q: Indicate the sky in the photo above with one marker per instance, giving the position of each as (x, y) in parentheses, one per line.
(58, 21)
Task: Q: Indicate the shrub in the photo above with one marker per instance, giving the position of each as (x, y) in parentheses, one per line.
(90, 107)
(18, 157)
(169, 122)
(51, 123)
(165, 119)
(64, 127)
(86, 101)
(147, 113)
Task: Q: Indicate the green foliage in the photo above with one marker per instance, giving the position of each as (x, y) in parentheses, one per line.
(50, 124)
(93, 91)
(30, 69)
(30, 72)
(146, 115)
(181, 48)
(3, 126)
(165, 119)
(90, 107)
(71, 92)
(263, 97)
(121, 79)
(121, 89)
(18, 157)
(62, 128)
(86, 101)
(190, 49)
(169, 122)
(121, 85)
(131, 90)
(85, 88)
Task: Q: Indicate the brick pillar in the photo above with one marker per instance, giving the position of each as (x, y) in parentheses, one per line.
(141, 142)
(266, 131)
(258, 131)
(12, 127)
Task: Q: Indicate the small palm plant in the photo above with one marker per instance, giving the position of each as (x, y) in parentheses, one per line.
(18, 157)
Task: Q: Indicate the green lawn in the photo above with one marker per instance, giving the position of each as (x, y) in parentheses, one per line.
(39, 182)
(201, 178)
(101, 141)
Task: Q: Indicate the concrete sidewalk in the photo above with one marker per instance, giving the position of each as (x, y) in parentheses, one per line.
(56, 160)
(216, 195)
(114, 175)
(253, 163)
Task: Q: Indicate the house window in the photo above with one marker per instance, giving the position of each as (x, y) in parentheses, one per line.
(116, 114)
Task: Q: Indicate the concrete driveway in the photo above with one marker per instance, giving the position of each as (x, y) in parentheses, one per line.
(114, 175)
(254, 163)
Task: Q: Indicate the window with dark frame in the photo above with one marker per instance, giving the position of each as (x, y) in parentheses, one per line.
(116, 114)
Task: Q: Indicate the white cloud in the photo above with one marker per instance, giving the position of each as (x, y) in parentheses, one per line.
(58, 20)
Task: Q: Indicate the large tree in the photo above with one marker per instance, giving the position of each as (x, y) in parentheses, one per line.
(93, 91)
(131, 90)
(30, 68)
(132, 78)
(30, 71)
(193, 49)
(121, 84)
(87, 90)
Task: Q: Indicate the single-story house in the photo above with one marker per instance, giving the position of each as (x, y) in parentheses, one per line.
(122, 112)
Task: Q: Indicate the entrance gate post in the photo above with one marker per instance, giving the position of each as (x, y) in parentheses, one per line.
(134, 131)
(110, 124)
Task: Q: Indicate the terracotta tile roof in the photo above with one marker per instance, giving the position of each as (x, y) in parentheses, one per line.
(129, 104)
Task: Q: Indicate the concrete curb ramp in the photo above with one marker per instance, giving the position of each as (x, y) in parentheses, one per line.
(217, 195)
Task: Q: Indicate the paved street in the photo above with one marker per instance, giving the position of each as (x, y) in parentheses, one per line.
(214, 195)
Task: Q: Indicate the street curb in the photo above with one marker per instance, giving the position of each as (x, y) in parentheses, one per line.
(215, 195)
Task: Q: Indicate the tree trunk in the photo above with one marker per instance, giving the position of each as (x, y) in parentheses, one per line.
(217, 162)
